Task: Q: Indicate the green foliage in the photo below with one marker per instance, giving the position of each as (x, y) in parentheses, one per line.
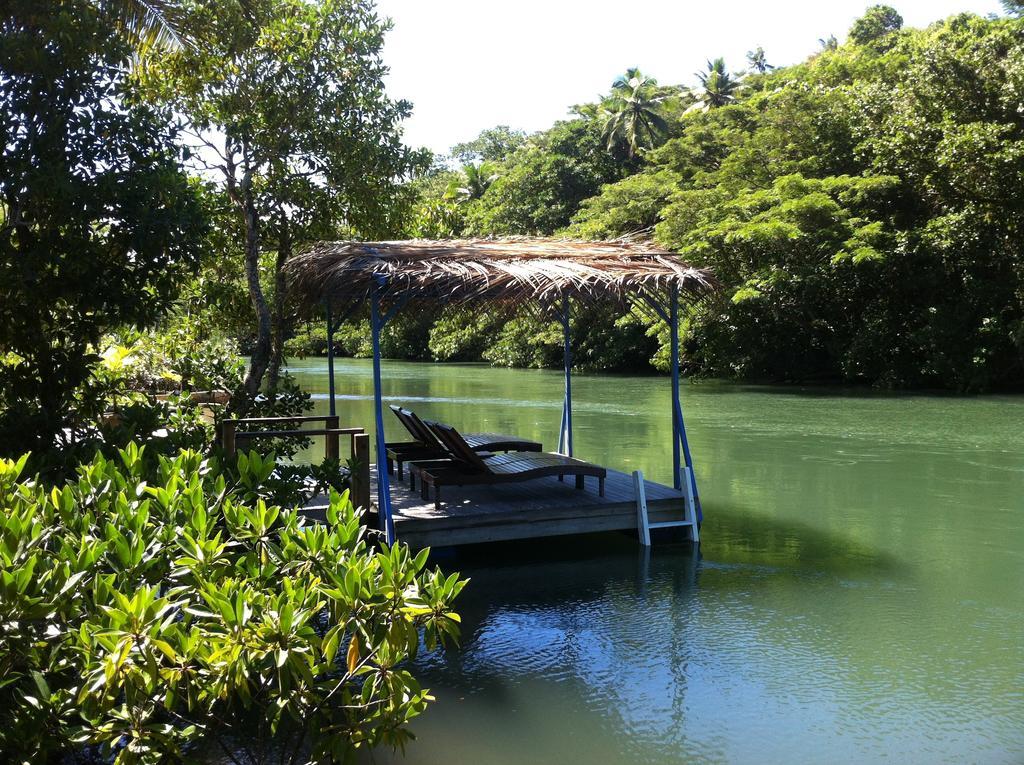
(463, 334)
(631, 205)
(283, 79)
(288, 97)
(144, 23)
(903, 272)
(717, 86)
(164, 390)
(759, 61)
(406, 337)
(495, 144)
(788, 251)
(438, 218)
(541, 186)
(862, 209)
(632, 116)
(473, 181)
(149, 613)
(601, 341)
(98, 223)
(878, 22)
(526, 341)
(173, 359)
(604, 341)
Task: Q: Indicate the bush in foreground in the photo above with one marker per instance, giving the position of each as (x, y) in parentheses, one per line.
(149, 614)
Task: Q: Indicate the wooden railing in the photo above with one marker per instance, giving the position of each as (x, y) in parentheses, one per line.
(232, 438)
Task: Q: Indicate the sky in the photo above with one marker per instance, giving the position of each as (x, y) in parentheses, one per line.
(467, 65)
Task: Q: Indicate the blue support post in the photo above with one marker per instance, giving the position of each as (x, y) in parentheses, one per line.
(387, 523)
(679, 440)
(330, 358)
(565, 434)
(673, 323)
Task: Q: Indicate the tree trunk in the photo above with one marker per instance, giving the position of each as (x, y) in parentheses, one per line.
(284, 251)
(261, 349)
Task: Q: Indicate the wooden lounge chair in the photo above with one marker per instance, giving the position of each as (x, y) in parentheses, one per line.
(426, 446)
(466, 466)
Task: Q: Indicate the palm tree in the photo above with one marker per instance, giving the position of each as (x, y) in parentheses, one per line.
(758, 61)
(718, 87)
(828, 43)
(476, 179)
(632, 113)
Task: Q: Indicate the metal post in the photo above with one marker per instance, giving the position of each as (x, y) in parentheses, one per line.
(642, 522)
(330, 358)
(565, 435)
(689, 466)
(678, 425)
(673, 321)
(383, 486)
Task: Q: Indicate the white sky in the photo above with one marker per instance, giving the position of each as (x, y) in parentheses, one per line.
(467, 65)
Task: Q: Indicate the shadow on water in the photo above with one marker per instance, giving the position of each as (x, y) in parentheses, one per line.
(733, 535)
(738, 534)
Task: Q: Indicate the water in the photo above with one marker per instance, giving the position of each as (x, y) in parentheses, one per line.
(858, 597)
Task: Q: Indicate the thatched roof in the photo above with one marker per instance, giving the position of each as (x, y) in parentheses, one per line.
(509, 271)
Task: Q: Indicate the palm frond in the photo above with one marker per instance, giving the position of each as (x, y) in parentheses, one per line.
(145, 24)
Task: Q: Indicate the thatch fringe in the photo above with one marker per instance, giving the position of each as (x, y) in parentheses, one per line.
(513, 272)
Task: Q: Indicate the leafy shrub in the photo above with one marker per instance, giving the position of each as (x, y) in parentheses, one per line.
(146, 614)
(177, 358)
(126, 400)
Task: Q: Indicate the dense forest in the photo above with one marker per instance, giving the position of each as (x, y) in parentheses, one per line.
(863, 209)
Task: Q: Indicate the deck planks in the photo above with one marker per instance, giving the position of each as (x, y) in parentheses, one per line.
(543, 507)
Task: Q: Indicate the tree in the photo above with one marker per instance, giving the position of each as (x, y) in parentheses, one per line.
(473, 181)
(877, 22)
(542, 186)
(495, 144)
(1014, 7)
(98, 223)
(758, 61)
(717, 86)
(286, 99)
(627, 207)
(632, 114)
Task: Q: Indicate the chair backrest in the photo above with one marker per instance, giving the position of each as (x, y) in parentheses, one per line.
(415, 427)
(419, 427)
(457, 446)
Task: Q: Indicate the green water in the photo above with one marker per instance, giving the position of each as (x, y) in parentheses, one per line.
(858, 596)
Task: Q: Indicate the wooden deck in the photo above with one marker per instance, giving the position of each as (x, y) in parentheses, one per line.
(540, 508)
